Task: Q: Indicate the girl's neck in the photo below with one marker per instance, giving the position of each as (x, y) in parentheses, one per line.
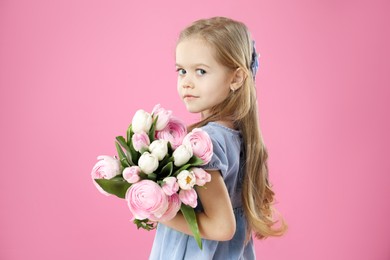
(226, 123)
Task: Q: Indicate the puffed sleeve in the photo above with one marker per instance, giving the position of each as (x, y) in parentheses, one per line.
(219, 159)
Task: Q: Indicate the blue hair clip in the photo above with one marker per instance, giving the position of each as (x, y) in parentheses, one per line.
(255, 60)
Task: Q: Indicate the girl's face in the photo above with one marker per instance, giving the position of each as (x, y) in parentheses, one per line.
(202, 81)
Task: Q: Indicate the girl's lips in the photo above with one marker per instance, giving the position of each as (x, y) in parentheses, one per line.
(189, 97)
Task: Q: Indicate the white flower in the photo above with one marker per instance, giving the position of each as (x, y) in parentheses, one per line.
(159, 148)
(186, 180)
(142, 121)
(148, 163)
(182, 155)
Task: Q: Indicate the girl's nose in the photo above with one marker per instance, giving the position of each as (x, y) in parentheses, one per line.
(187, 83)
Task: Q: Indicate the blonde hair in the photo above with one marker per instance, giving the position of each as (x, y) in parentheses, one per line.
(233, 46)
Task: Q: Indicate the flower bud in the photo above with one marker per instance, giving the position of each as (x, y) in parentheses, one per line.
(170, 185)
(131, 174)
(142, 121)
(148, 163)
(140, 140)
(159, 148)
(201, 176)
(189, 197)
(163, 116)
(182, 155)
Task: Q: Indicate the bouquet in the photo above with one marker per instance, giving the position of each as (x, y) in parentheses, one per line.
(156, 169)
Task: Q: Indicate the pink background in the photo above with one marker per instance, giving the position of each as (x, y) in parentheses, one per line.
(72, 73)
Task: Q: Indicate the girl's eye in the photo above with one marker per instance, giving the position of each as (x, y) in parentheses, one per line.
(181, 71)
(200, 72)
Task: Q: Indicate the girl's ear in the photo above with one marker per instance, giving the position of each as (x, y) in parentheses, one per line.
(238, 79)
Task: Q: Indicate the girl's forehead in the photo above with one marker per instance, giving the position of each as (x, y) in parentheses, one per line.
(194, 51)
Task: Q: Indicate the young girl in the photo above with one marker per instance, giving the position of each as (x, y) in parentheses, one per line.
(216, 63)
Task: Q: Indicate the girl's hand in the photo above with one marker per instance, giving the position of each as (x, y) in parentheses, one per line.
(217, 221)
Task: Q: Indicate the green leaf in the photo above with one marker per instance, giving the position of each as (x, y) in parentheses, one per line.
(152, 130)
(190, 217)
(133, 153)
(145, 224)
(195, 161)
(121, 154)
(167, 169)
(152, 176)
(116, 186)
(182, 168)
(129, 134)
(167, 159)
(129, 159)
(122, 142)
(170, 149)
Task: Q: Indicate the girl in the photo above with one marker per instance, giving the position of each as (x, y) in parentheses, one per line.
(216, 64)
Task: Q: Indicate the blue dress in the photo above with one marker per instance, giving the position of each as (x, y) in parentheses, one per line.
(170, 244)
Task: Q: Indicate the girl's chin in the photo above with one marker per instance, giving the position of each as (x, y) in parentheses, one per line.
(191, 109)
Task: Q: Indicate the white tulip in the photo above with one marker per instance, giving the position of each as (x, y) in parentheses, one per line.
(159, 148)
(186, 180)
(148, 163)
(142, 121)
(182, 155)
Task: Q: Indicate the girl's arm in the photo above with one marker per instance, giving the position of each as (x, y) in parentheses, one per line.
(217, 221)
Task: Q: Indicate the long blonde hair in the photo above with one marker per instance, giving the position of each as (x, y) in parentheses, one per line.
(233, 45)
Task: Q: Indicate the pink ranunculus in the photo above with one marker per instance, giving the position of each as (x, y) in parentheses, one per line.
(189, 197)
(170, 185)
(163, 116)
(174, 132)
(201, 176)
(146, 198)
(106, 168)
(131, 174)
(140, 140)
(201, 144)
(173, 207)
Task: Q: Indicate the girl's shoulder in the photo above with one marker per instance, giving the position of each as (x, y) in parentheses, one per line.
(227, 144)
(217, 130)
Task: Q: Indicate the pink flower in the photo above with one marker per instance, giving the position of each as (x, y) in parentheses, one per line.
(170, 185)
(131, 174)
(163, 116)
(174, 132)
(201, 144)
(106, 168)
(189, 197)
(140, 140)
(201, 176)
(173, 207)
(146, 198)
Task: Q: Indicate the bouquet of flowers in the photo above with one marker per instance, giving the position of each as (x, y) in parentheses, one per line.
(156, 169)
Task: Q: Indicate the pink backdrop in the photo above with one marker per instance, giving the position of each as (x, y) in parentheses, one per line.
(72, 73)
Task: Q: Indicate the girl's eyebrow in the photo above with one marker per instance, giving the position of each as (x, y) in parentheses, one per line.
(194, 65)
